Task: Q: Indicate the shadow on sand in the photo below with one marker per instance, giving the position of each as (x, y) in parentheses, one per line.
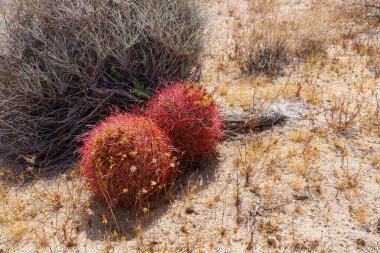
(126, 221)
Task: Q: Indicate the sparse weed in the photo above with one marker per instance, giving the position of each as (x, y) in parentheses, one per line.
(344, 113)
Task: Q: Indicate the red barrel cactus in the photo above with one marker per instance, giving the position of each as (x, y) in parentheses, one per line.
(127, 159)
(191, 118)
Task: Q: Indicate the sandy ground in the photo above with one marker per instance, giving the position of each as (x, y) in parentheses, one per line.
(307, 189)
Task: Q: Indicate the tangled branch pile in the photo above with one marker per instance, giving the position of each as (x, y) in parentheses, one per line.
(65, 63)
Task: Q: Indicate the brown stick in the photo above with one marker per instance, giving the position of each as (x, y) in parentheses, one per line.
(239, 125)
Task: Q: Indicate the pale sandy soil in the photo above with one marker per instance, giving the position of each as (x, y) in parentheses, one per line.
(309, 189)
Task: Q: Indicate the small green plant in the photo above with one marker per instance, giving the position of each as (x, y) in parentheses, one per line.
(139, 90)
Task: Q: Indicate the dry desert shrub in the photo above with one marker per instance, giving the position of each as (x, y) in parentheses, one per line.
(269, 57)
(270, 36)
(372, 10)
(260, 48)
(65, 63)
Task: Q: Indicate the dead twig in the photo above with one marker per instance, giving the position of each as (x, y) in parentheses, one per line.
(240, 125)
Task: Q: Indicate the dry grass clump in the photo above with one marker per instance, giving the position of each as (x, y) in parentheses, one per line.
(260, 48)
(269, 57)
(65, 63)
(270, 37)
(372, 10)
